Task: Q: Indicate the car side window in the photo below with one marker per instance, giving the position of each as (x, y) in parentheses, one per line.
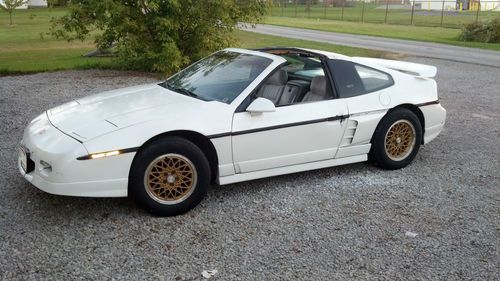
(373, 80)
(354, 79)
(284, 88)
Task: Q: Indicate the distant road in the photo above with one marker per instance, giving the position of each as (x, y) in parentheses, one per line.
(408, 47)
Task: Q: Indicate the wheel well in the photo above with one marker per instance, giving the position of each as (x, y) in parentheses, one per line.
(199, 140)
(413, 108)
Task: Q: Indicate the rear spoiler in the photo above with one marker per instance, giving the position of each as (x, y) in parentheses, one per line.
(416, 69)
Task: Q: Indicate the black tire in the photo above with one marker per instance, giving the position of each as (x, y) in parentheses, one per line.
(399, 151)
(169, 149)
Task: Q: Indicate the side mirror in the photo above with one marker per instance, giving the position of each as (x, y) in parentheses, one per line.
(260, 105)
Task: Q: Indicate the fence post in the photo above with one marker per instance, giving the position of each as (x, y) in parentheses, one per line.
(412, 11)
(342, 15)
(324, 11)
(442, 13)
(308, 8)
(478, 8)
(295, 8)
(386, 10)
(363, 12)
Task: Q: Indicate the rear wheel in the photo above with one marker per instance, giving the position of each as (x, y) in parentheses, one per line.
(397, 139)
(169, 176)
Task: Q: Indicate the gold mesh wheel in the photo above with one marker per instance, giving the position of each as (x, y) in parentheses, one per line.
(400, 140)
(170, 179)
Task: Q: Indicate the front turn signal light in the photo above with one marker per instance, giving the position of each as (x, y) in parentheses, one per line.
(107, 153)
(104, 154)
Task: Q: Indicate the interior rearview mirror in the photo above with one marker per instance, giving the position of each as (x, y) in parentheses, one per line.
(260, 105)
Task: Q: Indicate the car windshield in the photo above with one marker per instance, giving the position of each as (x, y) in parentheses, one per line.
(221, 76)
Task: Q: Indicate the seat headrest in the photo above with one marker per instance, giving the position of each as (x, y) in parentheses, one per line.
(319, 86)
(279, 78)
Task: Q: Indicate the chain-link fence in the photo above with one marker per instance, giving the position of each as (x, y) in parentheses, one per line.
(448, 13)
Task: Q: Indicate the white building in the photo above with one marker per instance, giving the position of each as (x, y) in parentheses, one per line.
(454, 5)
(37, 3)
(487, 6)
(435, 5)
(31, 4)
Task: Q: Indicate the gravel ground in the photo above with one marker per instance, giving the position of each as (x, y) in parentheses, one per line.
(332, 224)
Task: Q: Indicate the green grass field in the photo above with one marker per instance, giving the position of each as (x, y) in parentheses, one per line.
(255, 40)
(25, 47)
(409, 32)
(376, 13)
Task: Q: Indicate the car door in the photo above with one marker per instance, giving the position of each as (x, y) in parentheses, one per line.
(367, 93)
(294, 134)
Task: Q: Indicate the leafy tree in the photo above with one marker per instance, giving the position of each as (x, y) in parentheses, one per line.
(11, 5)
(157, 35)
(54, 3)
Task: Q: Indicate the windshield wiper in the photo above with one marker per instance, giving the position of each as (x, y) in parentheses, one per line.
(183, 91)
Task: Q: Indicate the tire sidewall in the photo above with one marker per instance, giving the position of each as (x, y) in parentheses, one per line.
(145, 156)
(378, 153)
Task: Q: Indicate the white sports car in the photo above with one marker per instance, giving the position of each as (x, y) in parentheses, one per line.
(234, 116)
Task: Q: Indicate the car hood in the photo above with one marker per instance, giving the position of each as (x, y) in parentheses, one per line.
(99, 114)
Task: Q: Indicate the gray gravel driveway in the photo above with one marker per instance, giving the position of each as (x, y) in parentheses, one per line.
(331, 224)
(407, 47)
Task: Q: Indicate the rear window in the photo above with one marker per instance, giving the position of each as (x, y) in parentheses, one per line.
(354, 79)
(302, 67)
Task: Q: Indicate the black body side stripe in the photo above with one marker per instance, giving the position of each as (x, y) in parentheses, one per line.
(219, 135)
(121, 151)
(329, 119)
(428, 103)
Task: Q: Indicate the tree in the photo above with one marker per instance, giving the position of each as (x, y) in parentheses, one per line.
(11, 5)
(54, 3)
(157, 35)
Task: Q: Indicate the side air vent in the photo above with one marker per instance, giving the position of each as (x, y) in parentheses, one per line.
(349, 132)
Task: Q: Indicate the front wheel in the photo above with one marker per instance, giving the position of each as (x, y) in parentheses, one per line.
(169, 176)
(396, 140)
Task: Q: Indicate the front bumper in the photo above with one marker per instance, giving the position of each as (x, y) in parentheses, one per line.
(65, 175)
(103, 188)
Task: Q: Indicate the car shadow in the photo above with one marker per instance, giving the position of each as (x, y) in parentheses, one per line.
(49, 207)
(294, 179)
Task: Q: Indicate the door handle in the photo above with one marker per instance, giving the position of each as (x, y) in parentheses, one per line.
(337, 117)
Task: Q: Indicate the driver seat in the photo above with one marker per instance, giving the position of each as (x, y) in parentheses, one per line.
(274, 86)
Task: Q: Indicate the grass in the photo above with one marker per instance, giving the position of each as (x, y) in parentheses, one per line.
(26, 48)
(376, 13)
(255, 40)
(418, 33)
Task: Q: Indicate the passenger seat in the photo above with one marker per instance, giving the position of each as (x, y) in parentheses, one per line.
(319, 90)
(274, 86)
